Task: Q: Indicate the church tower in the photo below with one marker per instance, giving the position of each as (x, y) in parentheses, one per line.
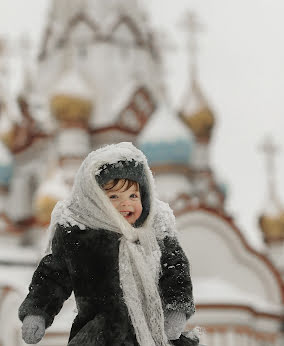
(271, 220)
(177, 145)
(111, 49)
(96, 82)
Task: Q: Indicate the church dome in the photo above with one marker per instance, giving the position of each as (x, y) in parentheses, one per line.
(44, 206)
(8, 137)
(70, 108)
(272, 226)
(71, 100)
(165, 140)
(10, 120)
(196, 113)
(6, 166)
(48, 194)
(201, 122)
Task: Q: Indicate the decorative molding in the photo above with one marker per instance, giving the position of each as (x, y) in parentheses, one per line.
(99, 35)
(131, 26)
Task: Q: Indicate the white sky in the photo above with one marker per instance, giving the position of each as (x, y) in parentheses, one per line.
(241, 70)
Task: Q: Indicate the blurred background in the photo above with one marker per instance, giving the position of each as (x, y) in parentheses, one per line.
(197, 86)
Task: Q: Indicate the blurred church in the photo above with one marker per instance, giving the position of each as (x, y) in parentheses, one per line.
(97, 80)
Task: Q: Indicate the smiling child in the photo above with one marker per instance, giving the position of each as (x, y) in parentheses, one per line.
(114, 244)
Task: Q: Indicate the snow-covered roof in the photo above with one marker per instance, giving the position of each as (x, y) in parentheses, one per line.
(219, 252)
(5, 124)
(170, 186)
(218, 291)
(124, 97)
(107, 112)
(9, 115)
(164, 125)
(101, 16)
(55, 186)
(72, 83)
(5, 155)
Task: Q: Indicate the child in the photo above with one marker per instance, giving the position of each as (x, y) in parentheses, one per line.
(113, 243)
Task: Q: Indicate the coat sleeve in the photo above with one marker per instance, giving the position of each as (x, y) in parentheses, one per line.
(50, 286)
(175, 282)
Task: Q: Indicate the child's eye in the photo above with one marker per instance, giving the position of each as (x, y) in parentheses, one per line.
(133, 195)
(113, 196)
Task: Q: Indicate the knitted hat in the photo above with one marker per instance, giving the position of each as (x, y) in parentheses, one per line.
(131, 170)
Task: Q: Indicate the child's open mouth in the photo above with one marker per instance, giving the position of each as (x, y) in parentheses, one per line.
(126, 214)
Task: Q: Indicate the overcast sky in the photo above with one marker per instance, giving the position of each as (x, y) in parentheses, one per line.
(241, 70)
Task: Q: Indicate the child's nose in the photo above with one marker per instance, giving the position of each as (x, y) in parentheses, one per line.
(126, 201)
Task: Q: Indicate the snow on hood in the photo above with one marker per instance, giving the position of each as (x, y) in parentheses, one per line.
(110, 154)
(89, 206)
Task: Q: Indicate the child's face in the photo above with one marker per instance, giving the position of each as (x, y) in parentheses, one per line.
(126, 201)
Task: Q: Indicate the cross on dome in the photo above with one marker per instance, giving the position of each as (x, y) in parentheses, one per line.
(270, 149)
(192, 26)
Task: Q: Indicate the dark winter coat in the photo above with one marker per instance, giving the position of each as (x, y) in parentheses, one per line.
(86, 261)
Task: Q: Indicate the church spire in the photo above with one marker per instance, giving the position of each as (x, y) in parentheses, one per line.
(193, 27)
(272, 219)
(195, 111)
(270, 150)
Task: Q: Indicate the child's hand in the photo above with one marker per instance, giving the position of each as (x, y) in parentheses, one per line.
(175, 322)
(33, 329)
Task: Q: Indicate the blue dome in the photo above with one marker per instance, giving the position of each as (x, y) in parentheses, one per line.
(5, 175)
(166, 140)
(6, 166)
(178, 152)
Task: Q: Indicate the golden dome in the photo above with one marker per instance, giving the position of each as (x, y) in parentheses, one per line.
(43, 208)
(201, 123)
(272, 227)
(8, 138)
(69, 108)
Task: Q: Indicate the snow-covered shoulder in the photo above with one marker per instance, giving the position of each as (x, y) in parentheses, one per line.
(164, 220)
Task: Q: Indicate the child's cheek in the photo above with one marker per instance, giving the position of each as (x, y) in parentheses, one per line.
(139, 210)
